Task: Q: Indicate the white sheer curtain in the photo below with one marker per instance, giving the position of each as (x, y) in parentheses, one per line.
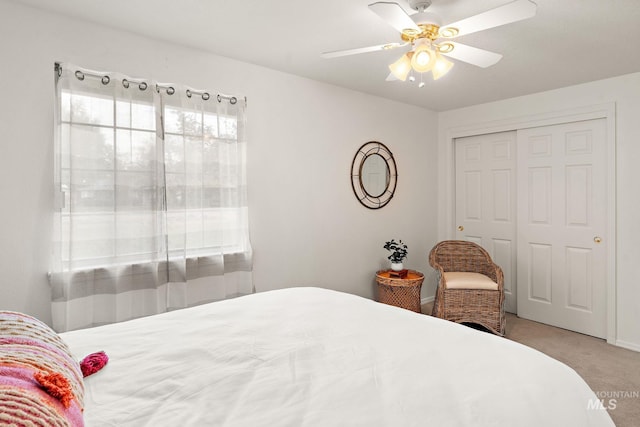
(151, 190)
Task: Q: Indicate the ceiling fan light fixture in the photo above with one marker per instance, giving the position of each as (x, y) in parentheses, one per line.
(423, 58)
(401, 68)
(441, 66)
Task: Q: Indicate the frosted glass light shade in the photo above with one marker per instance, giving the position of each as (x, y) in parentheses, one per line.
(400, 69)
(423, 59)
(441, 66)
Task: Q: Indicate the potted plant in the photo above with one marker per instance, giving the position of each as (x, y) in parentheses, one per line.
(398, 253)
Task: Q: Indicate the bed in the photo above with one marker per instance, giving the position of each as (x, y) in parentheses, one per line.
(315, 357)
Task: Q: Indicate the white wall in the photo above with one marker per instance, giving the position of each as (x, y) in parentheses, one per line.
(307, 228)
(624, 91)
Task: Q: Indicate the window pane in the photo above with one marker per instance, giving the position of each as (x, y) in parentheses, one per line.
(194, 230)
(194, 191)
(193, 155)
(174, 153)
(143, 116)
(91, 109)
(91, 191)
(211, 124)
(135, 191)
(176, 229)
(211, 191)
(213, 219)
(93, 236)
(91, 147)
(173, 120)
(192, 123)
(228, 127)
(123, 114)
(136, 233)
(176, 191)
(210, 151)
(136, 150)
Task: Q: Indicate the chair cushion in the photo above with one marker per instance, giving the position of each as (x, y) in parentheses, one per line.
(466, 280)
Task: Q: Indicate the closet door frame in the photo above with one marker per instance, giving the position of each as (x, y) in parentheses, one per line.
(446, 229)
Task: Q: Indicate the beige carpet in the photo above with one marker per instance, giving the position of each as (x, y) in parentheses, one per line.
(612, 372)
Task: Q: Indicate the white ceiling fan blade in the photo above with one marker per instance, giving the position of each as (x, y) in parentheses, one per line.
(338, 53)
(501, 15)
(394, 15)
(473, 55)
(391, 78)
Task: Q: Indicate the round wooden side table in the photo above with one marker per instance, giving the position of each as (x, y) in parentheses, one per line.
(402, 292)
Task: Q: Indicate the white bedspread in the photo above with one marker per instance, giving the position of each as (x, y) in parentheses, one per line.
(314, 357)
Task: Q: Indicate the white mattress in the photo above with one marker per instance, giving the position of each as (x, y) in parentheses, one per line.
(314, 357)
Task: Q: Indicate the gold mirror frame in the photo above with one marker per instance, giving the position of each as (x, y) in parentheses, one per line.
(368, 200)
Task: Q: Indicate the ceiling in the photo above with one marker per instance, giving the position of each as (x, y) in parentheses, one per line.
(567, 42)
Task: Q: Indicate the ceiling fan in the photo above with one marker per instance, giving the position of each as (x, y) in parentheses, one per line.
(430, 40)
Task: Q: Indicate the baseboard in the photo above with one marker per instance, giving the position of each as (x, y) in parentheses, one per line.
(426, 300)
(628, 345)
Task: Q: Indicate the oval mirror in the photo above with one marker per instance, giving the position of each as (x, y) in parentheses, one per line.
(373, 175)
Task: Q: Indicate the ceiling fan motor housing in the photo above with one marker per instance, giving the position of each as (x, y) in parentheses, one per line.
(419, 5)
(426, 18)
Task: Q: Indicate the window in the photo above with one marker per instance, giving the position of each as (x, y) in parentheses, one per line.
(153, 212)
(143, 174)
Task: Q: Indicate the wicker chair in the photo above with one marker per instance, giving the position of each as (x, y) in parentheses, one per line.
(464, 297)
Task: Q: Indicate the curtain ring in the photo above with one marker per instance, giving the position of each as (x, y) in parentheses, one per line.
(219, 98)
(105, 80)
(233, 100)
(79, 75)
(205, 96)
(125, 83)
(188, 93)
(142, 86)
(170, 90)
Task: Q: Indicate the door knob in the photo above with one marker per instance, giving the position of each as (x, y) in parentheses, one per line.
(460, 228)
(597, 239)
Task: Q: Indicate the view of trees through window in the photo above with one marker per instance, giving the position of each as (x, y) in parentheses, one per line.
(132, 189)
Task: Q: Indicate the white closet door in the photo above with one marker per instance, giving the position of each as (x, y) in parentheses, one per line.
(486, 200)
(562, 223)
